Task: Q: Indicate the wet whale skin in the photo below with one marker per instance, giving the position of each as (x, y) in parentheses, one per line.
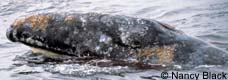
(113, 37)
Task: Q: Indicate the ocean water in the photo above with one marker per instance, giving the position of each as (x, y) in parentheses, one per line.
(204, 19)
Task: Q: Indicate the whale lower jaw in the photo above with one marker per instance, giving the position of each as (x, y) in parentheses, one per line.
(48, 54)
(96, 62)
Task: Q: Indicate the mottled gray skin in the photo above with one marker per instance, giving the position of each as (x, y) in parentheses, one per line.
(114, 37)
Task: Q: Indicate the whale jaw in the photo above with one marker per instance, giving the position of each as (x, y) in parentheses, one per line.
(45, 53)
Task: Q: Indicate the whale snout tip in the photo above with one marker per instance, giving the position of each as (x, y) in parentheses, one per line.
(9, 34)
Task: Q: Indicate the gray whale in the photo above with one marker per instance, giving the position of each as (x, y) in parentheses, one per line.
(114, 37)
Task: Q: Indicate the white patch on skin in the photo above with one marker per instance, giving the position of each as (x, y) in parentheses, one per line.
(97, 48)
(83, 21)
(124, 37)
(140, 21)
(29, 40)
(58, 49)
(104, 38)
(67, 41)
(75, 32)
(22, 39)
(14, 35)
(47, 46)
(38, 43)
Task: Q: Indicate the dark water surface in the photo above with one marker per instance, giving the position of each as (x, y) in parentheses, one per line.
(205, 19)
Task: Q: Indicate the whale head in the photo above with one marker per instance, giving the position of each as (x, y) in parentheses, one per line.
(31, 31)
(28, 30)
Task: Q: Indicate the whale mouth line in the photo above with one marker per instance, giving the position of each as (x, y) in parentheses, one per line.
(39, 47)
(60, 56)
